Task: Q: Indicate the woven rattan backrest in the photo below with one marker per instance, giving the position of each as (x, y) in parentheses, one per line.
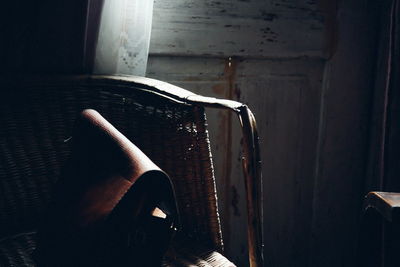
(36, 120)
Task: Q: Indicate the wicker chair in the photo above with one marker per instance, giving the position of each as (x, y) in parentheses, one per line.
(168, 123)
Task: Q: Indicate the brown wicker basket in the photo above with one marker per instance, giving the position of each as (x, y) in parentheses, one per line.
(166, 122)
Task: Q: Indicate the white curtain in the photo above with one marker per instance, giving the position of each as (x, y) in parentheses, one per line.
(124, 37)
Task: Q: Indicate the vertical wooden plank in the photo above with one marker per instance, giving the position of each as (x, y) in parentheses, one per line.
(284, 95)
(342, 150)
(285, 99)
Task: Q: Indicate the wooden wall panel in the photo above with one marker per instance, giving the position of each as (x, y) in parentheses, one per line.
(343, 148)
(284, 94)
(257, 28)
(287, 118)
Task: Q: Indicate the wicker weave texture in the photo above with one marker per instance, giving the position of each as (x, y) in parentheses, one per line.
(36, 123)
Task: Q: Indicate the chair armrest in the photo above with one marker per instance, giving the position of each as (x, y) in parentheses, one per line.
(253, 181)
(251, 152)
(385, 203)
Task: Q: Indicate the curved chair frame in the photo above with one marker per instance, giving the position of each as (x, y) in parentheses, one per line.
(251, 159)
(251, 153)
